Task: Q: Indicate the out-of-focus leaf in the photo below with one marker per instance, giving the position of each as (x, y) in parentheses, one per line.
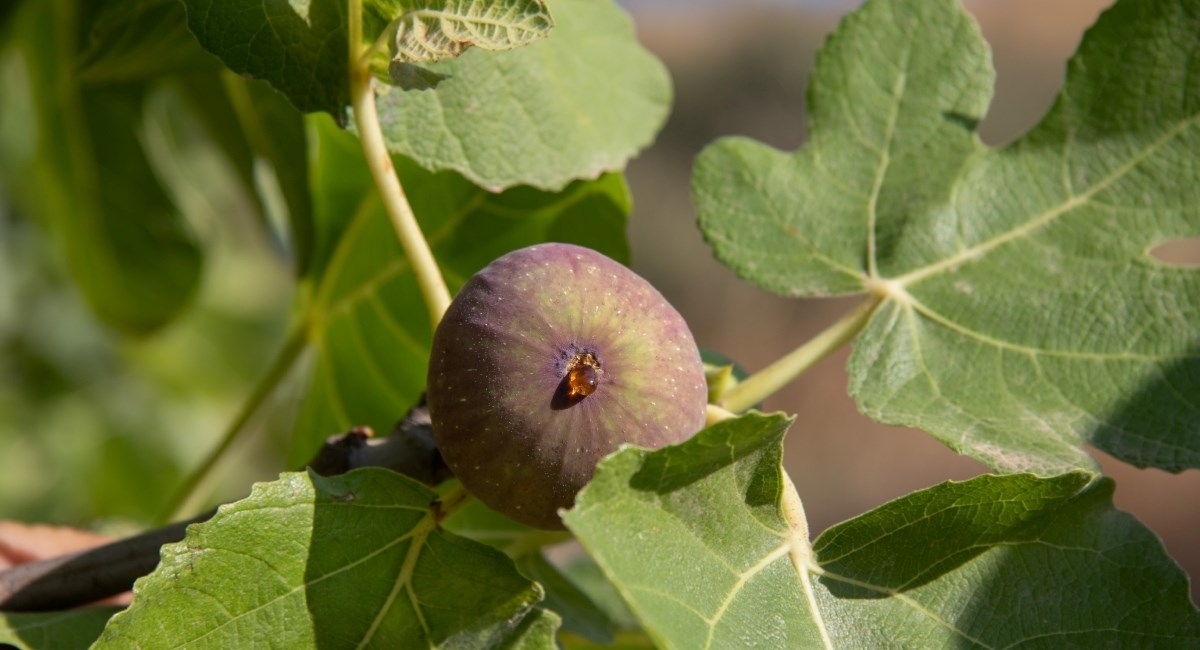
(1022, 314)
(192, 141)
(275, 132)
(367, 324)
(71, 630)
(482, 524)
(138, 40)
(7, 10)
(589, 577)
(579, 613)
(536, 632)
(222, 124)
(355, 560)
(576, 104)
(93, 190)
(299, 46)
(708, 544)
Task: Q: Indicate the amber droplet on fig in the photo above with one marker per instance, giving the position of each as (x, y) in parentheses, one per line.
(583, 374)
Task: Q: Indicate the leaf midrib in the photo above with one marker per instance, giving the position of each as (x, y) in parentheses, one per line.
(1048, 216)
(885, 158)
(304, 585)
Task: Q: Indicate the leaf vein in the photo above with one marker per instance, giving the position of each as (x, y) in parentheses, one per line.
(882, 167)
(903, 598)
(1073, 201)
(1033, 350)
(743, 578)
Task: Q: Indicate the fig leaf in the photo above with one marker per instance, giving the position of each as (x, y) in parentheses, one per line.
(1023, 315)
(707, 544)
(576, 104)
(352, 560)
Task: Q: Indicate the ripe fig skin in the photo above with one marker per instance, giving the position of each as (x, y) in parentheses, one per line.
(497, 373)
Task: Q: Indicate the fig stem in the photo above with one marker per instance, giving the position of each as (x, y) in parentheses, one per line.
(453, 501)
(714, 414)
(186, 493)
(769, 380)
(534, 541)
(408, 231)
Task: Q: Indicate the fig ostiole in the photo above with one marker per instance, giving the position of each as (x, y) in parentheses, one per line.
(548, 360)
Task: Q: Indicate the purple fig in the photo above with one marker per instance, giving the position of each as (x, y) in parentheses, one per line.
(548, 360)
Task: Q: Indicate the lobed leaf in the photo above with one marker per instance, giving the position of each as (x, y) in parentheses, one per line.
(708, 545)
(1022, 314)
(355, 560)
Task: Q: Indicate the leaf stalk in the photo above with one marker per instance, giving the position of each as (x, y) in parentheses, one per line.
(451, 503)
(408, 231)
(769, 380)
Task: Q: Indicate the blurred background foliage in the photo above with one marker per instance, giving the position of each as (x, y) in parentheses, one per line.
(101, 409)
(100, 417)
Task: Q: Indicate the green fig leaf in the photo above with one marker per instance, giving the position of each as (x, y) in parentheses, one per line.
(367, 326)
(139, 40)
(537, 631)
(427, 31)
(576, 104)
(76, 628)
(300, 47)
(1022, 315)
(276, 134)
(355, 560)
(579, 613)
(589, 577)
(482, 524)
(93, 190)
(225, 146)
(707, 543)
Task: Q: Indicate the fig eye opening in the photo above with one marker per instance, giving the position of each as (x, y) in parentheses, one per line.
(583, 376)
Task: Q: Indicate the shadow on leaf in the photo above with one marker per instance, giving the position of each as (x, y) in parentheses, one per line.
(712, 449)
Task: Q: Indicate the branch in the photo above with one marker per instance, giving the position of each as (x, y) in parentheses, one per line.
(87, 576)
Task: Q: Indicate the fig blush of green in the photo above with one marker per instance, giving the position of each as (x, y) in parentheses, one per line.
(549, 359)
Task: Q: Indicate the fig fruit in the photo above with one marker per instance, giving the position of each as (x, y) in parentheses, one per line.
(548, 360)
